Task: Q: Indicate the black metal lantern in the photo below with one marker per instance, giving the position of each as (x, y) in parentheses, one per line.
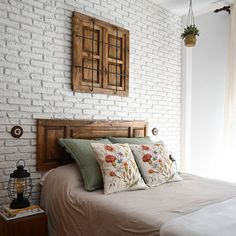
(19, 187)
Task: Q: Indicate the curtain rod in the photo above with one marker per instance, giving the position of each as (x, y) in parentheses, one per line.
(225, 8)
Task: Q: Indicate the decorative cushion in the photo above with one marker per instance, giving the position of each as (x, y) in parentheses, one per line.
(137, 140)
(154, 164)
(82, 152)
(120, 172)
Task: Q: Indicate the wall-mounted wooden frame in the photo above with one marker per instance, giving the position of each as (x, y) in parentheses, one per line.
(100, 57)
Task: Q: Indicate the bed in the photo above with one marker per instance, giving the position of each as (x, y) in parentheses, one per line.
(193, 206)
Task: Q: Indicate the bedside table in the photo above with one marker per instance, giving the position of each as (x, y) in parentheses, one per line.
(35, 225)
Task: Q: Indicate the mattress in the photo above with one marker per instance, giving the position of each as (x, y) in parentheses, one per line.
(73, 211)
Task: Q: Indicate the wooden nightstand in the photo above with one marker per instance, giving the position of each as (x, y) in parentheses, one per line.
(35, 225)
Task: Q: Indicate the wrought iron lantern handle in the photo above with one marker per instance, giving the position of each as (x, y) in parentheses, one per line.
(21, 160)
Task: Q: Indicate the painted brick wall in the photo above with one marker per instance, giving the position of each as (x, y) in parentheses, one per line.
(35, 77)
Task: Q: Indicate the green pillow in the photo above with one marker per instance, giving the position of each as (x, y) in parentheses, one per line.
(140, 140)
(82, 152)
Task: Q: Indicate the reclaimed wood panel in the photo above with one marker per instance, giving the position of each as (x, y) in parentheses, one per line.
(50, 154)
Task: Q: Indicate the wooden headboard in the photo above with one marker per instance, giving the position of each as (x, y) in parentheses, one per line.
(51, 155)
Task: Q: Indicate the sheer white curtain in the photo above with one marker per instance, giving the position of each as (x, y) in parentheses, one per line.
(230, 103)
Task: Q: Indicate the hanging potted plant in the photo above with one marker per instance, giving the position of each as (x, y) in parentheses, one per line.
(191, 31)
(190, 35)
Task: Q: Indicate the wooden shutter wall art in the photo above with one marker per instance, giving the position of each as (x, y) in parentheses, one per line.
(100, 57)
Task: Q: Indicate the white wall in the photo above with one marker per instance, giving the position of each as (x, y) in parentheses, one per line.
(205, 92)
(35, 73)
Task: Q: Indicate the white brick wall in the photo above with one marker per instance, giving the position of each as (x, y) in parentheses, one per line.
(35, 78)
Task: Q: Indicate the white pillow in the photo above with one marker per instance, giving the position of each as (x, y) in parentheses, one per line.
(67, 174)
(44, 176)
(119, 169)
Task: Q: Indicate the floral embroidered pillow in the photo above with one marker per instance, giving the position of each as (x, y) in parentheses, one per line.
(119, 169)
(154, 164)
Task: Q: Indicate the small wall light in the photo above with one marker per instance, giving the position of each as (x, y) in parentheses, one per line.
(154, 131)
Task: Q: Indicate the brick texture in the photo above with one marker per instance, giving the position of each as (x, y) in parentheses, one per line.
(35, 73)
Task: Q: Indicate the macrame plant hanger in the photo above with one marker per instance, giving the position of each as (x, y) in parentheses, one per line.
(190, 19)
(191, 31)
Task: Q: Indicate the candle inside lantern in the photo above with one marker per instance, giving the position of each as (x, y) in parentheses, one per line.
(20, 185)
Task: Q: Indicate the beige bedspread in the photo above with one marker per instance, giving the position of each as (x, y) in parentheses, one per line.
(74, 211)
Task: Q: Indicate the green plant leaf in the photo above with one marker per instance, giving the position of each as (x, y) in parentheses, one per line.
(190, 29)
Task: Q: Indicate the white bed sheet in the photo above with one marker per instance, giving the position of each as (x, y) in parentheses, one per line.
(213, 220)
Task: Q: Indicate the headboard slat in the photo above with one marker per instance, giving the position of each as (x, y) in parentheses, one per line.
(51, 155)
